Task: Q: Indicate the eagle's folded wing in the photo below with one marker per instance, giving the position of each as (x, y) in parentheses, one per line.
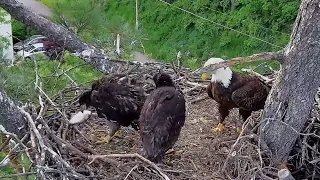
(250, 96)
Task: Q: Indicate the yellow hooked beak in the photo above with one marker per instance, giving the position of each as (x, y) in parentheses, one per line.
(204, 76)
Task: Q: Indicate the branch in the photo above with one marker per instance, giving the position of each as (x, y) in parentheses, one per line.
(37, 135)
(10, 117)
(68, 40)
(135, 155)
(61, 36)
(279, 55)
(263, 78)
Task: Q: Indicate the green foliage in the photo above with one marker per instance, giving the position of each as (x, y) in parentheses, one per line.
(87, 18)
(9, 169)
(48, 3)
(169, 29)
(18, 81)
(4, 42)
(79, 15)
(20, 31)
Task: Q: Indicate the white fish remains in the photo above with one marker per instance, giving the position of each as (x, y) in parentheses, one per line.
(80, 117)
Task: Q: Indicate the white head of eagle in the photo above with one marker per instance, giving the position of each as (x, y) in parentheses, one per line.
(222, 75)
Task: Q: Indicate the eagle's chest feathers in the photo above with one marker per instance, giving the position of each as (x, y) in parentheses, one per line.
(222, 84)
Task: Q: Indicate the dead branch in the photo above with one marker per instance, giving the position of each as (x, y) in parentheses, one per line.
(135, 155)
(279, 55)
(37, 135)
(263, 78)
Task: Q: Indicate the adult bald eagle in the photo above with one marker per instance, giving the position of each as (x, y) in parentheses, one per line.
(161, 118)
(120, 103)
(234, 90)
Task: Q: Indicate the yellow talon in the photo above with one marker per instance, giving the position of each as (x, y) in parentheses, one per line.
(219, 128)
(204, 76)
(239, 130)
(118, 134)
(106, 140)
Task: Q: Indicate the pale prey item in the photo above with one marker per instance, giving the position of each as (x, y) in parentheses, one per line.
(80, 117)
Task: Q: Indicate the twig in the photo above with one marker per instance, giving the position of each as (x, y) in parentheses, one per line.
(244, 126)
(59, 159)
(135, 155)
(37, 134)
(199, 99)
(263, 78)
(134, 167)
(195, 84)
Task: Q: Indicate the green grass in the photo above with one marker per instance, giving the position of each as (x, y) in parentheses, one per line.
(48, 3)
(9, 169)
(18, 81)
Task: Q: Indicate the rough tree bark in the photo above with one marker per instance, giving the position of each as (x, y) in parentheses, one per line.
(290, 101)
(10, 117)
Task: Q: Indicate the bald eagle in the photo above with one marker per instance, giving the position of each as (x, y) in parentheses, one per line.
(161, 118)
(234, 90)
(120, 103)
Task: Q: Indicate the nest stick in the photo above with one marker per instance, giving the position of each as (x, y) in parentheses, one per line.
(37, 135)
(135, 155)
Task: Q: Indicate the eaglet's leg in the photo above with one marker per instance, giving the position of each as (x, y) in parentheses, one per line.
(112, 132)
(223, 113)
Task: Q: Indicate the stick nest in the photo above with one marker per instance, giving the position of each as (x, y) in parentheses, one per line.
(59, 150)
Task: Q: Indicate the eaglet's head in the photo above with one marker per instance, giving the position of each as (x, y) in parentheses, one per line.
(84, 99)
(162, 79)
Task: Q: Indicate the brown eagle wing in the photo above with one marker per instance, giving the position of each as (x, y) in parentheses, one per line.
(209, 90)
(251, 96)
(161, 120)
(116, 102)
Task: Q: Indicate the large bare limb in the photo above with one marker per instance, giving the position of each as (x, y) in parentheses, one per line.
(10, 117)
(60, 35)
(279, 55)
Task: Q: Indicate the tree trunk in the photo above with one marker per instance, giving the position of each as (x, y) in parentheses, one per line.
(291, 99)
(10, 117)
(232, 4)
(61, 36)
(137, 17)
